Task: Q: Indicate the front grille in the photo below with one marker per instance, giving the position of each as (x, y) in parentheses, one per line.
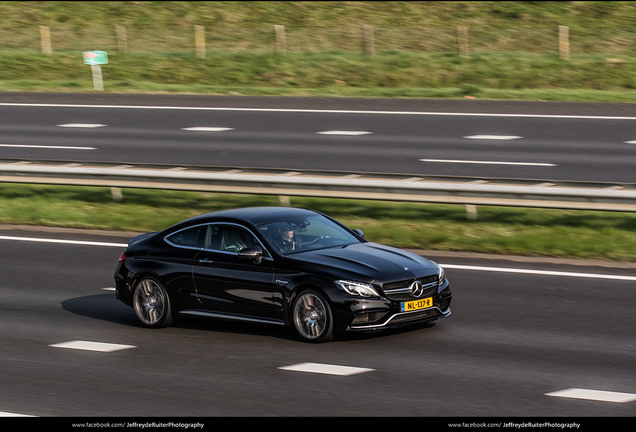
(401, 291)
(416, 316)
(406, 283)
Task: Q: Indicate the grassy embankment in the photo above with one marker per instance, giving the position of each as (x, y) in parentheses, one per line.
(589, 78)
(530, 232)
(512, 48)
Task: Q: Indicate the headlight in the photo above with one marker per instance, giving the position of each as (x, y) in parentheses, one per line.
(441, 274)
(357, 288)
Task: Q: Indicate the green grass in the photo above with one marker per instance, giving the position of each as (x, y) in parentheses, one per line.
(513, 49)
(529, 232)
(497, 14)
(590, 78)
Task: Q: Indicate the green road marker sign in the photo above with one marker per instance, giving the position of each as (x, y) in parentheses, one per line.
(95, 59)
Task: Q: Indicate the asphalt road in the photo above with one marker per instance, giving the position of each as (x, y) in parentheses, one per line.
(512, 339)
(537, 140)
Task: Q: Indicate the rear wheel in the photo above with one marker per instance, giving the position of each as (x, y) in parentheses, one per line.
(311, 316)
(151, 303)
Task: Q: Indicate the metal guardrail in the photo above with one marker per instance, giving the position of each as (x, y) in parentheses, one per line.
(335, 184)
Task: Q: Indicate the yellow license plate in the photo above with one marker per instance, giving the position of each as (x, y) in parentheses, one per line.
(417, 304)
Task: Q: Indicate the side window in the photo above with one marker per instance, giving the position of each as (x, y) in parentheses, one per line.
(213, 239)
(229, 238)
(192, 237)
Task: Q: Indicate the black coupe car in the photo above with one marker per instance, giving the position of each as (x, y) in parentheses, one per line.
(278, 265)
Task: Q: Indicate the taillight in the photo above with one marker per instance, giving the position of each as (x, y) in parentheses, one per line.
(122, 258)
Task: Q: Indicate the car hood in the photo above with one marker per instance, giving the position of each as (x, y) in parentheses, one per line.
(365, 262)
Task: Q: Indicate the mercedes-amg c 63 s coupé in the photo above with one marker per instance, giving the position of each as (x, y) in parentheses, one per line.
(282, 266)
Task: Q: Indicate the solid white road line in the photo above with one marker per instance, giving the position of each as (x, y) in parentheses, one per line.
(92, 346)
(47, 147)
(493, 137)
(630, 142)
(82, 125)
(8, 414)
(447, 266)
(424, 113)
(325, 369)
(337, 132)
(486, 162)
(74, 242)
(540, 272)
(207, 129)
(595, 395)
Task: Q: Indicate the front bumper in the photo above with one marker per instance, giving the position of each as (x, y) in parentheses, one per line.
(390, 320)
(391, 315)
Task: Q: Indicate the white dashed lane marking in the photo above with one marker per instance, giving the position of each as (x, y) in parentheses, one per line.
(595, 395)
(493, 137)
(207, 129)
(336, 132)
(92, 346)
(325, 369)
(82, 125)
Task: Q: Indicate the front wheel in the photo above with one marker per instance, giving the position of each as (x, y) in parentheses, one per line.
(312, 317)
(151, 303)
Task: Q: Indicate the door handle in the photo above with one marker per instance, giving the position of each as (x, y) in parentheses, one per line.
(206, 261)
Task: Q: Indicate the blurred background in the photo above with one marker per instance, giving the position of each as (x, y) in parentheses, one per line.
(404, 49)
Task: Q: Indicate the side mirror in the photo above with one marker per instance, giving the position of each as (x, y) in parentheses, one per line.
(358, 232)
(254, 253)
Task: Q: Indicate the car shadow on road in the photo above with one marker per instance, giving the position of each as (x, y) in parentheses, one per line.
(107, 308)
(102, 307)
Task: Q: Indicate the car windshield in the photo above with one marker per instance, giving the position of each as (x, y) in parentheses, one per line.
(307, 233)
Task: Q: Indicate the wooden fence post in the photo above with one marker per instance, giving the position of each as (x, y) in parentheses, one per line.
(564, 42)
(117, 194)
(462, 39)
(471, 211)
(369, 43)
(199, 41)
(98, 81)
(45, 40)
(281, 40)
(122, 40)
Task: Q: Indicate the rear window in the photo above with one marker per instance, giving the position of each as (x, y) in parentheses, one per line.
(191, 237)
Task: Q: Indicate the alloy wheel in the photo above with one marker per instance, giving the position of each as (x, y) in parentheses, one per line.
(312, 317)
(151, 303)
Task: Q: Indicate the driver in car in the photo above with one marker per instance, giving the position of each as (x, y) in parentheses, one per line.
(287, 240)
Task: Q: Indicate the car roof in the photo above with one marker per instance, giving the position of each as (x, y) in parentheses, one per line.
(255, 215)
